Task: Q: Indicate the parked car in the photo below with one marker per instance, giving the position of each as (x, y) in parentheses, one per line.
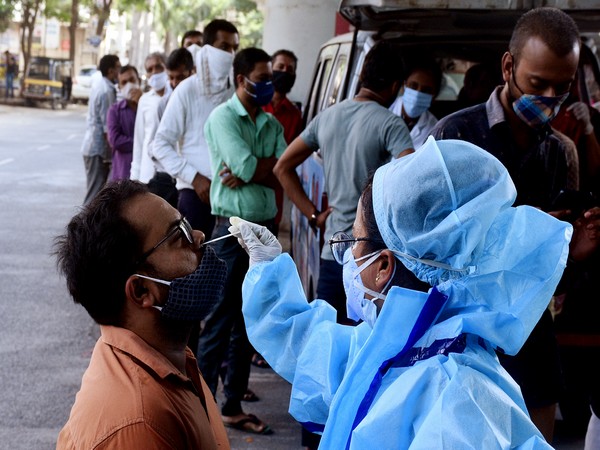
(458, 34)
(82, 84)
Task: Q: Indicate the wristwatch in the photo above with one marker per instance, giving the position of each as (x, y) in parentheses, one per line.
(312, 220)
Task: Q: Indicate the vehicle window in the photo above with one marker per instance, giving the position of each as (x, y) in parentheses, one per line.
(327, 64)
(322, 72)
(338, 76)
(87, 72)
(39, 71)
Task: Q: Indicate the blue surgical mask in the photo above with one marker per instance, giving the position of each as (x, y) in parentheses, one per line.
(263, 91)
(415, 102)
(357, 306)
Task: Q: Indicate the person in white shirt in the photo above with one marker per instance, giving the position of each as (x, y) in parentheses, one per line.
(146, 120)
(420, 89)
(180, 65)
(183, 123)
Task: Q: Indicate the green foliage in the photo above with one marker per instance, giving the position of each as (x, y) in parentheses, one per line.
(60, 9)
(6, 11)
(178, 16)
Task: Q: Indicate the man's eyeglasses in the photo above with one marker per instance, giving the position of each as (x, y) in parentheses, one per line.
(341, 242)
(186, 231)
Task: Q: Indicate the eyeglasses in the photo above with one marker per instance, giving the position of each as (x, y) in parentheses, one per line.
(341, 242)
(186, 231)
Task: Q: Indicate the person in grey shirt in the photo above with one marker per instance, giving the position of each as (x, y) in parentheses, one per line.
(95, 148)
(355, 136)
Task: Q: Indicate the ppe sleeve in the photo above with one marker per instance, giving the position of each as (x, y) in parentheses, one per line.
(301, 341)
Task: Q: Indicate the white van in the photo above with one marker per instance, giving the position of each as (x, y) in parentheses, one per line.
(458, 34)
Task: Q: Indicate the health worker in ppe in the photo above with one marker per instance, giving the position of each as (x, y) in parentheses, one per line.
(442, 271)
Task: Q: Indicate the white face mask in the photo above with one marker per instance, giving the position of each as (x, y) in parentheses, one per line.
(126, 90)
(158, 81)
(357, 306)
(213, 63)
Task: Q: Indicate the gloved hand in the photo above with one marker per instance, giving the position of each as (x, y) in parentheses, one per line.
(581, 112)
(257, 240)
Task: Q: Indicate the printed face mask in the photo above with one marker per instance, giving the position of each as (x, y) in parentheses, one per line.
(283, 81)
(357, 306)
(263, 91)
(415, 103)
(158, 81)
(193, 297)
(537, 111)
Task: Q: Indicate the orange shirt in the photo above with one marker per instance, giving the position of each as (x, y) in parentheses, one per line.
(132, 397)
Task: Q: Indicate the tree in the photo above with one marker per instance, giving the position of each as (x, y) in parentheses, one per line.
(73, 28)
(6, 11)
(177, 16)
(29, 13)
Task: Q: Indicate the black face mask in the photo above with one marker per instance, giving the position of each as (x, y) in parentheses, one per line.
(283, 81)
(193, 297)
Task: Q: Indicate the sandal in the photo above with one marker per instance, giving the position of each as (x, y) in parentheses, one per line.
(250, 396)
(259, 361)
(249, 423)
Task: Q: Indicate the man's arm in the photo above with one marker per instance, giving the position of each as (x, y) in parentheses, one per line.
(397, 137)
(171, 129)
(285, 171)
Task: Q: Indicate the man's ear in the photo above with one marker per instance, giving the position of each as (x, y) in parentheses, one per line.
(507, 66)
(240, 80)
(144, 293)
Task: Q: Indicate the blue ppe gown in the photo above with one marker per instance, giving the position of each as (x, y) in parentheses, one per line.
(426, 375)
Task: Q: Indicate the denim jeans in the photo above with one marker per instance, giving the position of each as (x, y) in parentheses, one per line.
(9, 89)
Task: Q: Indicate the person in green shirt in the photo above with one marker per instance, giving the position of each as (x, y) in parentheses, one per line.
(244, 143)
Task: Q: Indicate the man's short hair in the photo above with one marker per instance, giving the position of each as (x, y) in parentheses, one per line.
(129, 67)
(210, 31)
(180, 57)
(290, 54)
(106, 63)
(245, 60)
(99, 251)
(191, 34)
(554, 27)
(382, 67)
(158, 55)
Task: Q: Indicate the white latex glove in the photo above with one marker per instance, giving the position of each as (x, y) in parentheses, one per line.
(258, 241)
(582, 113)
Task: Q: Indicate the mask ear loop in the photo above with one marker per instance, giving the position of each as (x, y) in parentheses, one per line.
(157, 280)
(372, 257)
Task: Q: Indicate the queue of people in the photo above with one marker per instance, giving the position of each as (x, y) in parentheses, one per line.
(444, 248)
